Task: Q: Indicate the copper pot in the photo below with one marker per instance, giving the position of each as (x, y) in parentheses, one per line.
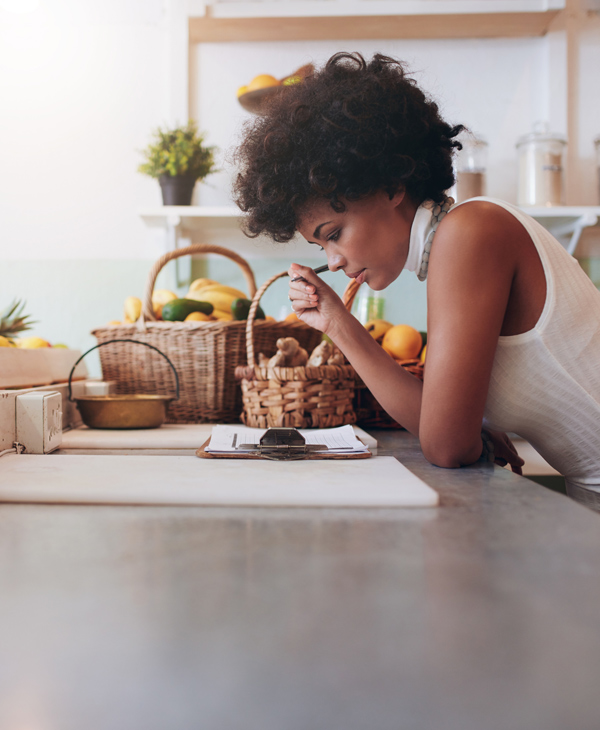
(133, 410)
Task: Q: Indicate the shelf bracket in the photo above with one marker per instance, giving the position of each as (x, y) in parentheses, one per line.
(173, 223)
(569, 233)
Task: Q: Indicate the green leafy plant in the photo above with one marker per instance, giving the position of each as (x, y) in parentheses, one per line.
(178, 151)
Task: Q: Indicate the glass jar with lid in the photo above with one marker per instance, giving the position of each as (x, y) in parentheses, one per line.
(541, 154)
(471, 164)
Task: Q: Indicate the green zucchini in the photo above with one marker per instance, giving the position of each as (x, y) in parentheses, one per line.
(178, 309)
(240, 309)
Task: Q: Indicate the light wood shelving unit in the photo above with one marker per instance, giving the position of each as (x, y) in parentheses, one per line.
(233, 22)
(375, 19)
(206, 223)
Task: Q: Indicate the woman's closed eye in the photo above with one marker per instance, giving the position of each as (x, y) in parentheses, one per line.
(334, 236)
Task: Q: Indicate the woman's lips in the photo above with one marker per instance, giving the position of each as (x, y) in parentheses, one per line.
(359, 277)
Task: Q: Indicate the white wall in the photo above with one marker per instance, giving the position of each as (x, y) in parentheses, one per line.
(82, 84)
(497, 87)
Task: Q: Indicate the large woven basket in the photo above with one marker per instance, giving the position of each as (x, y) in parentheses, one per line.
(204, 354)
(299, 397)
(369, 413)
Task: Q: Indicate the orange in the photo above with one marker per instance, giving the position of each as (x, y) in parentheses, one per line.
(292, 317)
(402, 342)
(262, 81)
(242, 90)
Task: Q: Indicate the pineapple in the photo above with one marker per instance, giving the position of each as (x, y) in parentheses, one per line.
(12, 322)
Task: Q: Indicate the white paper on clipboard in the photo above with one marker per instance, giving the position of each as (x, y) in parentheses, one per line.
(340, 440)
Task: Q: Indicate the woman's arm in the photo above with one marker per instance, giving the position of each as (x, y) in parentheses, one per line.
(472, 265)
(471, 269)
(318, 305)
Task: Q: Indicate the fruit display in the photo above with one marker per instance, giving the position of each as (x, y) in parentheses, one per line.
(253, 95)
(408, 348)
(404, 343)
(13, 322)
(206, 300)
(32, 343)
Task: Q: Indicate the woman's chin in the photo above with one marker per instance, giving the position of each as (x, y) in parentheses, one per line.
(376, 283)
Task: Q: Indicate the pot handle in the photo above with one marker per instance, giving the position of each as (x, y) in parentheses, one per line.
(137, 342)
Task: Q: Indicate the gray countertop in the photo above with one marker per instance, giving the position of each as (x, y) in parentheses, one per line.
(482, 614)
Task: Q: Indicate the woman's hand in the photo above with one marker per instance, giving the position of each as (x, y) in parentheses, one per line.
(505, 452)
(313, 301)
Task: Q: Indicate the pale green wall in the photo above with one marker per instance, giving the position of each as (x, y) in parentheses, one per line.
(70, 298)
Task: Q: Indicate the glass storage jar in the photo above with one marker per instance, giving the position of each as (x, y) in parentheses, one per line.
(369, 304)
(471, 166)
(540, 156)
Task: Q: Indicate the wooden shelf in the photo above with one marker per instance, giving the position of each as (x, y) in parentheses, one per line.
(564, 222)
(210, 219)
(221, 225)
(268, 21)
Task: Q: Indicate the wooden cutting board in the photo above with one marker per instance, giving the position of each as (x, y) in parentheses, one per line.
(185, 480)
(170, 436)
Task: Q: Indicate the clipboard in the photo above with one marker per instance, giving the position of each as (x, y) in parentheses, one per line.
(280, 444)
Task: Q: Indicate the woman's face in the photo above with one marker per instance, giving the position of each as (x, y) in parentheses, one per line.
(369, 240)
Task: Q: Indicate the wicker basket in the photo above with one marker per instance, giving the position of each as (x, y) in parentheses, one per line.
(299, 397)
(204, 353)
(369, 412)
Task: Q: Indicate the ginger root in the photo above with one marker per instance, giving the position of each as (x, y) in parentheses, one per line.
(326, 353)
(337, 358)
(289, 354)
(321, 354)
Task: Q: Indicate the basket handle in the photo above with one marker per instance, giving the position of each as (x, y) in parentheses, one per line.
(350, 293)
(195, 248)
(137, 342)
(254, 306)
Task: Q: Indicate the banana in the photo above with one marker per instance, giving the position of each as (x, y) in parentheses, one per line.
(236, 293)
(159, 298)
(219, 300)
(201, 283)
(133, 309)
(222, 316)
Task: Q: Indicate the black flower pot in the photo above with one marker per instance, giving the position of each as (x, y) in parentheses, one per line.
(177, 189)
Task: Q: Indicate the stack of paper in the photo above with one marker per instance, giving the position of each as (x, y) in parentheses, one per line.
(341, 440)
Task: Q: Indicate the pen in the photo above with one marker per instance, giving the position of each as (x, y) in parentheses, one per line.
(318, 270)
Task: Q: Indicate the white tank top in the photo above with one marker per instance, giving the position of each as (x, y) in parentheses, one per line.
(545, 383)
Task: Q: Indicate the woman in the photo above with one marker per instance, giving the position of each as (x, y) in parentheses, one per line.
(357, 159)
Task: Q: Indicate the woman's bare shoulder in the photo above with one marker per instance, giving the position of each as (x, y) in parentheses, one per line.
(482, 219)
(478, 238)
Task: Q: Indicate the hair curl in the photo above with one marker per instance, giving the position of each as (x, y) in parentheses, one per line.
(345, 132)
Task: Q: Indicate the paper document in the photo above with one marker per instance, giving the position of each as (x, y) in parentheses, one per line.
(341, 440)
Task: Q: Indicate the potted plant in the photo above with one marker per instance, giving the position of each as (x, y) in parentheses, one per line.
(178, 158)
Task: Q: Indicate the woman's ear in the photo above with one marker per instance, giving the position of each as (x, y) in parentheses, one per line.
(397, 197)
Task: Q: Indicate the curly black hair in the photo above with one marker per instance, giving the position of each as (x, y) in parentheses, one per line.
(348, 130)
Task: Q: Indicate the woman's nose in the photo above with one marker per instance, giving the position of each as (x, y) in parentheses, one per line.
(336, 262)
